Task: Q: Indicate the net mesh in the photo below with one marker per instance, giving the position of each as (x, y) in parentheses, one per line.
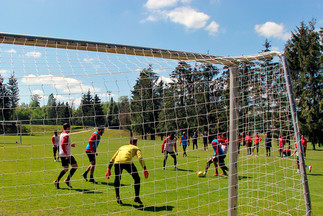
(145, 93)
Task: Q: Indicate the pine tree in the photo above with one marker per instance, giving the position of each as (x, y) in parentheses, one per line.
(4, 101)
(304, 55)
(98, 109)
(13, 93)
(52, 110)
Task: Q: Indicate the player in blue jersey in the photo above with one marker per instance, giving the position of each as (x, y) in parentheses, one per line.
(184, 142)
(217, 159)
(91, 151)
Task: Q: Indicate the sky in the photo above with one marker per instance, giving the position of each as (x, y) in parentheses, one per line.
(217, 27)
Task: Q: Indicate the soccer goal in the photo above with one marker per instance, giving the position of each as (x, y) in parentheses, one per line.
(149, 93)
(11, 132)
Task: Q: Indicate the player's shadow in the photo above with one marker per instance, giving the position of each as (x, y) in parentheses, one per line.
(85, 191)
(151, 208)
(310, 174)
(112, 184)
(182, 170)
(244, 177)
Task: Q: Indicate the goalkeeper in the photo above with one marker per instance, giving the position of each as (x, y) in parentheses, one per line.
(122, 159)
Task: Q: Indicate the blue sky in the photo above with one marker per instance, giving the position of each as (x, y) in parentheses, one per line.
(219, 27)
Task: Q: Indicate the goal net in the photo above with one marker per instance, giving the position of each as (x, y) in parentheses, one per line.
(148, 94)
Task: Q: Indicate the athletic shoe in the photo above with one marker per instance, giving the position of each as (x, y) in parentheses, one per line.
(119, 201)
(215, 174)
(56, 183)
(57, 159)
(297, 171)
(223, 174)
(309, 168)
(163, 168)
(137, 200)
(68, 183)
(175, 167)
(85, 176)
(93, 181)
(183, 156)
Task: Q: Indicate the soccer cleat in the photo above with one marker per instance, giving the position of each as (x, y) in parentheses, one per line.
(56, 183)
(93, 181)
(175, 167)
(215, 174)
(85, 176)
(68, 183)
(297, 171)
(163, 168)
(223, 174)
(137, 200)
(119, 201)
(309, 168)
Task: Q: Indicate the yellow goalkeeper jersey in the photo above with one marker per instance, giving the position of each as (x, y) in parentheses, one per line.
(125, 154)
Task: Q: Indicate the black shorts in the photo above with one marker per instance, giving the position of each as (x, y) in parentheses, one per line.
(65, 162)
(91, 156)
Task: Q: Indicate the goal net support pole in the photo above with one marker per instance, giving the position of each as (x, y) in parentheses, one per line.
(297, 135)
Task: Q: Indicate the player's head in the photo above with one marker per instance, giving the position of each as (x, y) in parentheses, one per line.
(302, 136)
(194, 132)
(101, 129)
(224, 135)
(184, 133)
(55, 132)
(172, 135)
(133, 141)
(66, 127)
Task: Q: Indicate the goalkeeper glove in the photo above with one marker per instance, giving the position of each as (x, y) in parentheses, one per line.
(146, 173)
(108, 174)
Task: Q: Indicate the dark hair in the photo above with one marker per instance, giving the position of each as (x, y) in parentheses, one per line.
(66, 125)
(101, 127)
(133, 141)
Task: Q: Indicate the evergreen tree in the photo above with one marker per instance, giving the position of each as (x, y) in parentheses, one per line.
(124, 114)
(4, 101)
(98, 109)
(13, 93)
(304, 55)
(88, 113)
(113, 115)
(142, 103)
(52, 110)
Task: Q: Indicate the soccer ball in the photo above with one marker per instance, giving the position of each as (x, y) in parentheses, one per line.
(201, 174)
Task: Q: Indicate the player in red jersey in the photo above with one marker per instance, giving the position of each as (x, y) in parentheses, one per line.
(168, 146)
(248, 143)
(91, 151)
(297, 161)
(304, 143)
(281, 143)
(55, 142)
(66, 157)
(257, 140)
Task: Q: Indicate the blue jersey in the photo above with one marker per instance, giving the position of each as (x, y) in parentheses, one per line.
(93, 142)
(184, 140)
(217, 147)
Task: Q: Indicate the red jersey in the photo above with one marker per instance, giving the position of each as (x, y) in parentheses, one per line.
(304, 142)
(169, 144)
(257, 140)
(249, 139)
(65, 145)
(281, 142)
(55, 141)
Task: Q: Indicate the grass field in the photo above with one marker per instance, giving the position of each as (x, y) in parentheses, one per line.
(267, 185)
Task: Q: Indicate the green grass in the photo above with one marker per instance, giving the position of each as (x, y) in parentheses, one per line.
(267, 185)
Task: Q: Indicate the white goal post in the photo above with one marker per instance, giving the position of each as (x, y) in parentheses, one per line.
(244, 94)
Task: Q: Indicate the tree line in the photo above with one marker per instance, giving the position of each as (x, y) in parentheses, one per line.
(197, 99)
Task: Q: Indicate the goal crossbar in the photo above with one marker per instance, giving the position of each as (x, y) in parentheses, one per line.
(30, 40)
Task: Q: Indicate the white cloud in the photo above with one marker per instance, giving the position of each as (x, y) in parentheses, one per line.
(38, 92)
(272, 29)
(164, 79)
(67, 85)
(158, 4)
(188, 17)
(213, 27)
(11, 51)
(3, 72)
(33, 54)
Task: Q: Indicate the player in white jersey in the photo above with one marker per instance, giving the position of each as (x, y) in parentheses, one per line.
(55, 142)
(66, 157)
(168, 147)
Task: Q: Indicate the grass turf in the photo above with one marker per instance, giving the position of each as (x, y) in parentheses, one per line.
(267, 185)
